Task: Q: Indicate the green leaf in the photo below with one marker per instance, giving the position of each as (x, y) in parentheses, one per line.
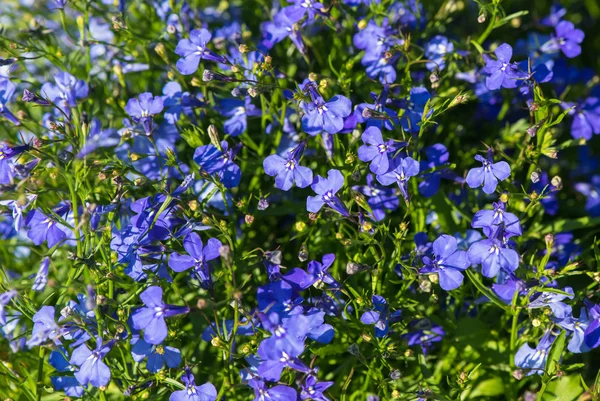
(510, 17)
(554, 356)
(566, 388)
(488, 388)
(485, 290)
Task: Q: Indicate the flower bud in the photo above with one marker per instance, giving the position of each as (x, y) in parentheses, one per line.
(549, 239)
(517, 374)
(303, 253)
(300, 226)
(161, 50)
(481, 19)
(557, 182)
(535, 177)
(243, 48)
(249, 219)
(536, 322)
(213, 134)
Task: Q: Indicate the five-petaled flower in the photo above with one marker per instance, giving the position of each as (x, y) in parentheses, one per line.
(326, 189)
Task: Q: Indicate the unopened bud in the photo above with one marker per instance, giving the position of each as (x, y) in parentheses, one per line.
(213, 134)
(535, 177)
(504, 198)
(362, 24)
(161, 50)
(263, 204)
(536, 322)
(481, 19)
(303, 253)
(300, 226)
(557, 182)
(249, 219)
(549, 239)
(517, 374)
(434, 77)
(313, 77)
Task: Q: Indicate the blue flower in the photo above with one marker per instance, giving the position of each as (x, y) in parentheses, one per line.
(325, 116)
(591, 191)
(275, 393)
(157, 355)
(566, 38)
(379, 198)
(237, 110)
(285, 24)
(193, 50)
(376, 150)
(424, 333)
(326, 189)
(436, 50)
(289, 171)
(143, 108)
(178, 102)
(553, 301)
(492, 255)
(498, 219)
(401, 170)
(205, 392)
(66, 92)
(6, 167)
(69, 384)
(4, 300)
(92, 369)
(319, 271)
(198, 257)
(151, 318)
(220, 162)
(447, 262)
(414, 107)
(489, 174)
(534, 359)
(7, 90)
(313, 389)
(43, 228)
(586, 117)
(41, 278)
(502, 73)
(380, 316)
(578, 327)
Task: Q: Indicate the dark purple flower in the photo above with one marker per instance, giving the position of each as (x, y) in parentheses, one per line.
(401, 170)
(319, 271)
(586, 117)
(424, 333)
(289, 171)
(591, 191)
(380, 316)
(143, 108)
(326, 189)
(493, 220)
(447, 262)
(198, 257)
(285, 24)
(66, 91)
(489, 174)
(220, 162)
(193, 50)
(205, 392)
(313, 389)
(151, 318)
(92, 369)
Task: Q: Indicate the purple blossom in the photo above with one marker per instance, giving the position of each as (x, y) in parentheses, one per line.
(288, 170)
(7, 90)
(43, 228)
(275, 393)
(379, 198)
(577, 327)
(284, 24)
(436, 50)
(491, 221)
(326, 116)
(566, 39)
(157, 355)
(237, 110)
(205, 392)
(586, 117)
(193, 50)
(376, 150)
(591, 191)
(502, 73)
(143, 108)
(380, 316)
(44, 327)
(197, 258)
(220, 162)
(492, 255)
(534, 359)
(66, 91)
(401, 170)
(4, 300)
(319, 271)
(41, 278)
(92, 369)
(313, 389)
(6, 167)
(151, 318)
(489, 174)
(447, 262)
(553, 300)
(326, 189)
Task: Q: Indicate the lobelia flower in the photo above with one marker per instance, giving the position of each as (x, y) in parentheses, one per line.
(493, 220)
(92, 369)
(287, 334)
(436, 155)
(401, 169)
(566, 39)
(377, 114)
(237, 110)
(313, 389)
(436, 50)
(157, 355)
(556, 13)
(325, 116)
(311, 8)
(489, 174)
(66, 91)
(7, 90)
(43, 228)
(6, 168)
(586, 117)
(41, 278)
(289, 171)
(198, 257)
(275, 360)
(98, 138)
(380, 316)
(205, 392)
(592, 332)
(553, 301)
(591, 191)
(447, 262)
(4, 300)
(492, 255)
(151, 318)
(379, 198)
(285, 24)
(220, 162)
(178, 102)
(326, 189)
(319, 271)
(424, 333)
(534, 359)
(275, 393)
(502, 73)
(44, 327)
(376, 150)
(578, 327)
(193, 50)
(143, 108)
(69, 384)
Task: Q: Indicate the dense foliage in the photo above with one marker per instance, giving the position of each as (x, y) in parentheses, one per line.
(296, 200)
